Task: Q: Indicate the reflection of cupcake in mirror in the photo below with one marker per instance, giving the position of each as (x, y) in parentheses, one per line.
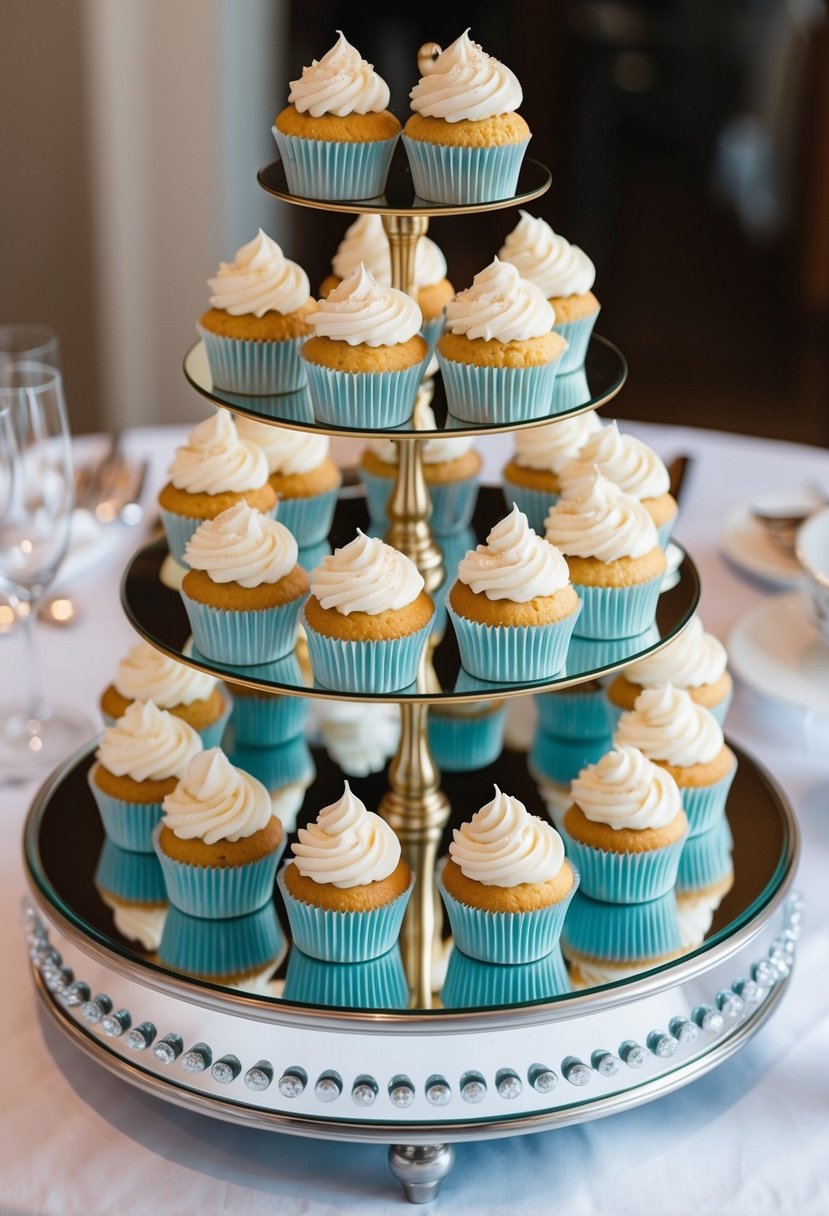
(531, 477)
(285, 769)
(695, 661)
(242, 952)
(366, 241)
(604, 942)
(347, 887)
(360, 737)
(564, 273)
(379, 983)
(632, 466)
(506, 884)
(260, 719)
(472, 984)
(468, 735)
(706, 875)
(145, 674)
(132, 887)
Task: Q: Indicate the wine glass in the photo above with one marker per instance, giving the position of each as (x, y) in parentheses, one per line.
(36, 503)
(27, 340)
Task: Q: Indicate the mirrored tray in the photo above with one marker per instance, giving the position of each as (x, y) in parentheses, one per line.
(157, 613)
(603, 375)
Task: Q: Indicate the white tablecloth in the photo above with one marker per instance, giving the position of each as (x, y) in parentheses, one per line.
(749, 1139)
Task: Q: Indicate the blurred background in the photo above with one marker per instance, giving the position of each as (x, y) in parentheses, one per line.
(688, 139)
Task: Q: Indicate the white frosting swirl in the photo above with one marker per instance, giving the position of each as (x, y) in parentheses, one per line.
(340, 83)
(543, 257)
(347, 846)
(366, 575)
(216, 801)
(503, 845)
(514, 564)
(148, 675)
(550, 446)
(287, 452)
(600, 520)
(242, 546)
(626, 790)
(629, 463)
(692, 659)
(465, 82)
(435, 450)
(366, 241)
(361, 312)
(148, 744)
(214, 460)
(260, 279)
(500, 305)
(665, 724)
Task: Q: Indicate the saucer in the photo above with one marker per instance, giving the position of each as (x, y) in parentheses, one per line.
(778, 652)
(747, 544)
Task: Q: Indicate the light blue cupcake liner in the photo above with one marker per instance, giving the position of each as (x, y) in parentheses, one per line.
(618, 612)
(278, 765)
(262, 721)
(371, 667)
(624, 878)
(706, 859)
(312, 556)
(705, 804)
(575, 713)
(577, 335)
(571, 390)
(620, 933)
(494, 395)
(453, 503)
(369, 400)
(534, 503)
(308, 519)
(225, 948)
(433, 329)
(344, 937)
(448, 174)
(471, 984)
(333, 170)
(379, 983)
(462, 744)
(134, 877)
(505, 937)
(560, 760)
(218, 892)
(505, 653)
(256, 369)
(243, 638)
(590, 654)
(287, 407)
(178, 530)
(130, 825)
(664, 531)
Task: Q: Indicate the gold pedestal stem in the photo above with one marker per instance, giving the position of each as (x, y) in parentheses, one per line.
(417, 810)
(409, 506)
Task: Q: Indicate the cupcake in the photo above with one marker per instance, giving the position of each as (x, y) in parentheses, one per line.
(139, 761)
(214, 470)
(625, 828)
(512, 606)
(472, 984)
(499, 356)
(608, 942)
(219, 841)
(506, 884)
(132, 887)
(303, 475)
(530, 478)
(336, 137)
(347, 887)
(464, 141)
(687, 741)
(378, 983)
(613, 552)
(366, 241)
(466, 736)
(450, 470)
(239, 952)
(148, 675)
(257, 321)
(367, 357)
(694, 660)
(367, 619)
(575, 713)
(565, 274)
(632, 466)
(244, 590)
(260, 719)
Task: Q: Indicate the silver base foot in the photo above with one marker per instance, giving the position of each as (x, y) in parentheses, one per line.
(420, 1169)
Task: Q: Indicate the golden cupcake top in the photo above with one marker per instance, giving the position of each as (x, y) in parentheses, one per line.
(363, 312)
(665, 724)
(692, 659)
(287, 452)
(464, 82)
(547, 259)
(515, 564)
(597, 519)
(551, 446)
(241, 545)
(148, 744)
(214, 460)
(366, 575)
(340, 83)
(503, 845)
(260, 279)
(347, 845)
(626, 790)
(145, 674)
(215, 801)
(626, 461)
(500, 305)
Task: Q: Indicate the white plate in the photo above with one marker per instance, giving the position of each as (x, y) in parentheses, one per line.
(778, 651)
(746, 543)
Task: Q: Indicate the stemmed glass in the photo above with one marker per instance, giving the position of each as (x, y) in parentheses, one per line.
(36, 503)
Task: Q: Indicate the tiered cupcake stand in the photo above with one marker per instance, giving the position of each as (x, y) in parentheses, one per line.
(424, 1077)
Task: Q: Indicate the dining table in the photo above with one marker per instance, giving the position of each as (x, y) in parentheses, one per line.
(749, 1138)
